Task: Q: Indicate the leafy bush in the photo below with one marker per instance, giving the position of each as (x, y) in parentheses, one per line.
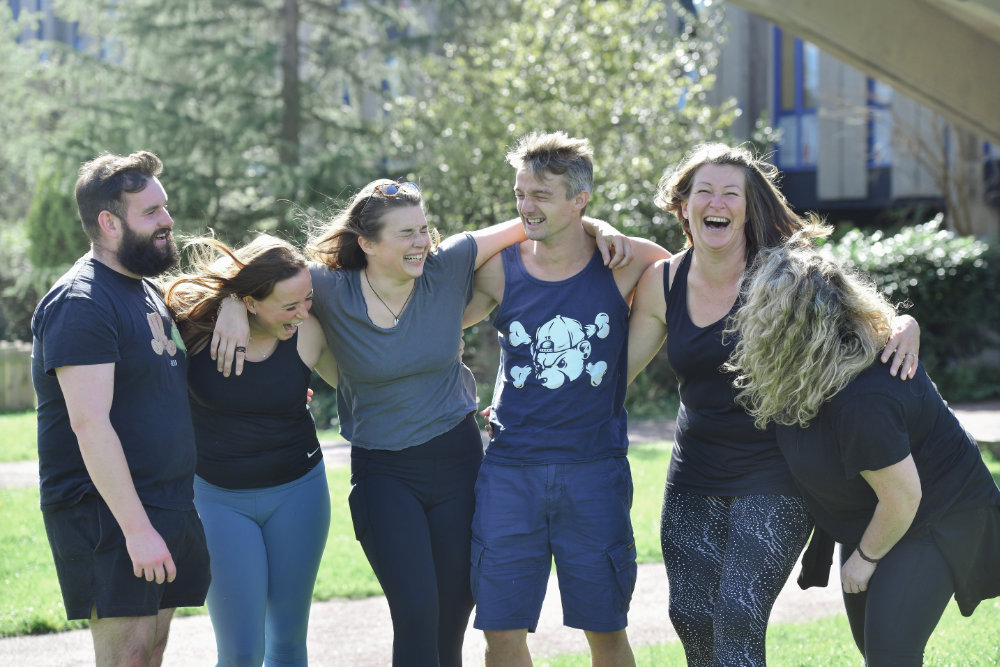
(324, 404)
(949, 284)
(54, 231)
(36, 250)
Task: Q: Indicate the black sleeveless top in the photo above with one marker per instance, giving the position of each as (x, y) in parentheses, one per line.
(253, 430)
(717, 449)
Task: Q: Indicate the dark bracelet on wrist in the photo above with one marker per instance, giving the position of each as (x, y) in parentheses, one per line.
(873, 561)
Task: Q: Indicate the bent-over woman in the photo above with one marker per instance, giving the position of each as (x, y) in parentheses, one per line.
(885, 467)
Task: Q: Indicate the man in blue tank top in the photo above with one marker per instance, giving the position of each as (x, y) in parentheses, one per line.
(116, 450)
(555, 481)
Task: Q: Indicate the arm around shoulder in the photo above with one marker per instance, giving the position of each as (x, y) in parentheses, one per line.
(647, 324)
(645, 253)
(315, 351)
(89, 391)
(493, 239)
(487, 291)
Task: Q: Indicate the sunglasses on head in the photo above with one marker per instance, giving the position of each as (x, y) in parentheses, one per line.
(390, 190)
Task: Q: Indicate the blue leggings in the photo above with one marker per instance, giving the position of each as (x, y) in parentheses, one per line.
(727, 559)
(412, 511)
(892, 621)
(266, 546)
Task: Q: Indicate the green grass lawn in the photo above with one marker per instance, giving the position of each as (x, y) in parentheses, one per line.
(827, 642)
(17, 436)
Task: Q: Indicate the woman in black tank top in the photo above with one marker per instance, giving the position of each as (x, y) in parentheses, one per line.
(260, 487)
(733, 523)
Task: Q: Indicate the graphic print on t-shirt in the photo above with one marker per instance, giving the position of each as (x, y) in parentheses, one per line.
(160, 341)
(559, 351)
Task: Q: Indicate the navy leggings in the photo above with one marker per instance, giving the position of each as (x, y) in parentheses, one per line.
(412, 511)
(727, 559)
(892, 620)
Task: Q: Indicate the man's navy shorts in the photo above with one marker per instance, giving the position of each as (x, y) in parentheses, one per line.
(577, 513)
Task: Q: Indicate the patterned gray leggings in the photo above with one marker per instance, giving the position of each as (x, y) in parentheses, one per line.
(727, 559)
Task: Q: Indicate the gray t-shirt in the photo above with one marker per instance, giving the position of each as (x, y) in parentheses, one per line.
(402, 386)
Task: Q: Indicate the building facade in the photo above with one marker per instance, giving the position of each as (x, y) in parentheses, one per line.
(852, 147)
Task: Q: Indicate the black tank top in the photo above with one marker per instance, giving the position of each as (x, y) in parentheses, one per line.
(717, 449)
(253, 430)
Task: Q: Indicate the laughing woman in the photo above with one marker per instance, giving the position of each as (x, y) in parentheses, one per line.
(391, 306)
(733, 523)
(885, 467)
(260, 488)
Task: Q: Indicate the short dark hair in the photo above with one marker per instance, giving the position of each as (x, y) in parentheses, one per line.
(102, 181)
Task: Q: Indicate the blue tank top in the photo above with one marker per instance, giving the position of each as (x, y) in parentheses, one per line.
(560, 389)
(253, 430)
(717, 449)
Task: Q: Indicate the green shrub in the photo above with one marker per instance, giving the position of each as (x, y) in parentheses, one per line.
(949, 284)
(54, 231)
(36, 250)
(15, 305)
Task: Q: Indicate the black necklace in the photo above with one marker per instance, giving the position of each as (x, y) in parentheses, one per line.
(395, 317)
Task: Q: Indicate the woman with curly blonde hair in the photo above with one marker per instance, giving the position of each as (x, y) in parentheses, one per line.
(805, 351)
(885, 468)
(733, 522)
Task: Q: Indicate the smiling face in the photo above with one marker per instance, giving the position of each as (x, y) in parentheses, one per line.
(403, 245)
(147, 246)
(543, 206)
(281, 313)
(716, 208)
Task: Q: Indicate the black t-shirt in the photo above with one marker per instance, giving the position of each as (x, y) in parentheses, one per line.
(95, 315)
(875, 422)
(253, 430)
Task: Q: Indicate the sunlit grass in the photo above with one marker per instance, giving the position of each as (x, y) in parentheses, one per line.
(17, 436)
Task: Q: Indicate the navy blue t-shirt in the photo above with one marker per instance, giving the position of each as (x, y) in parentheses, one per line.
(95, 315)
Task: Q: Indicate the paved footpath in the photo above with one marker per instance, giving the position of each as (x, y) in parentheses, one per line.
(358, 633)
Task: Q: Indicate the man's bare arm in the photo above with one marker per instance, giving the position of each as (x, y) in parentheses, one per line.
(89, 391)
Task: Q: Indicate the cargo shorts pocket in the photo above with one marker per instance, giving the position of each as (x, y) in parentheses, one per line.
(475, 562)
(622, 558)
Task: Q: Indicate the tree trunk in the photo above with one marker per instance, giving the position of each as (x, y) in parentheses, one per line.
(291, 99)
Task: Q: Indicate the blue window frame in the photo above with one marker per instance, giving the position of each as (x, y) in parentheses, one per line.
(879, 124)
(796, 92)
(991, 173)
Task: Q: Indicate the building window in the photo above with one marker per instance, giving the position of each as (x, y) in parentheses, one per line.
(879, 124)
(991, 173)
(797, 91)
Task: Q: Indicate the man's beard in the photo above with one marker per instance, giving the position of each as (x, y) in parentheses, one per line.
(141, 256)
